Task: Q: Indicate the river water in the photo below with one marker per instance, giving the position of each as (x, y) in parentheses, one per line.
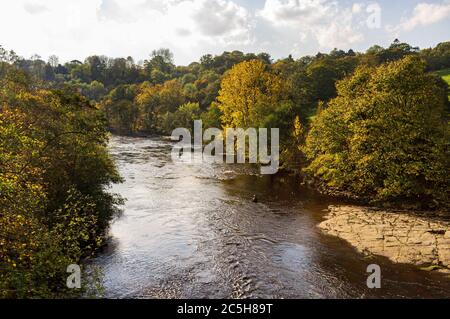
(193, 231)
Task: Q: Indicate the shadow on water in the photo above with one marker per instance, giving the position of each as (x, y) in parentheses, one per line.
(193, 231)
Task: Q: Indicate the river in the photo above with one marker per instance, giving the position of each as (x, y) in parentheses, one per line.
(193, 231)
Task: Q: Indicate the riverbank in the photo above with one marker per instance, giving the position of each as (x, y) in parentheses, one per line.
(422, 239)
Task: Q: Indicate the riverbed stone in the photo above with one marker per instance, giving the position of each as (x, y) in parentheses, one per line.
(400, 236)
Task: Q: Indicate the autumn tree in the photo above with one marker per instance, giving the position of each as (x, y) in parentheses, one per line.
(54, 167)
(385, 137)
(184, 116)
(248, 94)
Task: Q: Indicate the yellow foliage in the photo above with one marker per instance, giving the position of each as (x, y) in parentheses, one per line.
(248, 93)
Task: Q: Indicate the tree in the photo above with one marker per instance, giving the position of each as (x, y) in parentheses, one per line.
(439, 57)
(324, 72)
(53, 60)
(122, 112)
(54, 167)
(248, 93)
(293, 158)
(208, 85)
(164, 54)
(81, 72)
(301, 88)
(207, 61)
(211, 118)
(160, 65)
(385, 137)
(97, 66)
(93, 91)
(183, 117)
(156, 100)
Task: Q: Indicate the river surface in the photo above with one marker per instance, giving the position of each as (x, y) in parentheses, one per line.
(193, 231)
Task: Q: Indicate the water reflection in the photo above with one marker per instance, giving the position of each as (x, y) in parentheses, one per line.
(192, 231)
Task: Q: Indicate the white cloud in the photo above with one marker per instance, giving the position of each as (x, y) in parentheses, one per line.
(323, 20)
(424, 14)
(209, 18)
(75, 29)
(132, 10)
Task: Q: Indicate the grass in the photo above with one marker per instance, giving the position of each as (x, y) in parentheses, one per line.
(445, 74)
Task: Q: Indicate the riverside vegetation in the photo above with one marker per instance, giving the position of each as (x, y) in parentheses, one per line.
(372, 126)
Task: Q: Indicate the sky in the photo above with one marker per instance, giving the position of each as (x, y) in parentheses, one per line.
(75, 29)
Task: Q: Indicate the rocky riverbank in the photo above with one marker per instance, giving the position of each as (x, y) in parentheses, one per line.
(422, 239)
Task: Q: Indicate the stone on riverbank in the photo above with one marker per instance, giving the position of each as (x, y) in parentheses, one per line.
(402, 237)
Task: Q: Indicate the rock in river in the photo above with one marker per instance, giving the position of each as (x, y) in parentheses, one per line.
(402, 237)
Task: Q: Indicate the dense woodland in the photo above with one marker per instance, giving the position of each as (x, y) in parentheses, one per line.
(373, 126)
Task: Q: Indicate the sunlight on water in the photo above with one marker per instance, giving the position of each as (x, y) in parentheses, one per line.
(193, 231)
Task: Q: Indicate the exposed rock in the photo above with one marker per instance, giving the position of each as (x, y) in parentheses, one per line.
(402, 237)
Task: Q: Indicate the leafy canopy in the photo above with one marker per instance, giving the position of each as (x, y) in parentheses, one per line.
(385, 136)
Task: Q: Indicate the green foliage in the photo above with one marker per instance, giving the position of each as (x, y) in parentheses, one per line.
(155, 101)
(212, 117)
(121, 111)
(377, 55)
(439, 57)
(292, 156)
(325, 71)
(445, 74)
(249, 93)
(184, 116)
(252, 95)
(250, 90)
(54, 167)
(385, 137)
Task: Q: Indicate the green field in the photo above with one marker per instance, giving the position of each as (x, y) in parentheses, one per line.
(446, 76)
